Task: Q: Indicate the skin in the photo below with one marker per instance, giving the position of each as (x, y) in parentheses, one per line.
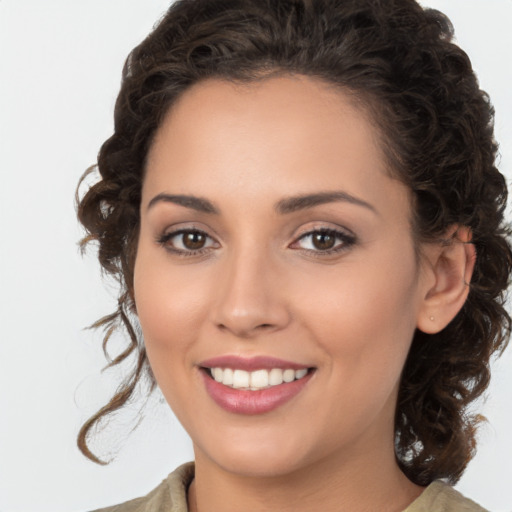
(260, 286)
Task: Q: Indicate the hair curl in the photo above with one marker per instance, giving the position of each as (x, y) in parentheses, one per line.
(398, 60)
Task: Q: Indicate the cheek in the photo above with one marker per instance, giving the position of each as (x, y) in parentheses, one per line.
(365, 316)
(170, 306)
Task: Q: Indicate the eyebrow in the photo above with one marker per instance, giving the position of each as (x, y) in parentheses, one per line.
(302, 202)
(195, 203)
(283, 207)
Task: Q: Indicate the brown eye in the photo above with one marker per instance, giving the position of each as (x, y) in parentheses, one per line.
(187, 242)
(193, 240)
(323, 241)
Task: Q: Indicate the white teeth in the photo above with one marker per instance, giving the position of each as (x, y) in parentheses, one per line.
(217, 374)
(300, 373)
(227, 377)
(241, 379)
(259, 379)
(275, 377)
(289, 375)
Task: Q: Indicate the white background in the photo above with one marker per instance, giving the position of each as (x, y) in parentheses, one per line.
(60, 64)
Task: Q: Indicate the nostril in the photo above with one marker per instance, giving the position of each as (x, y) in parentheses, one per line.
(245, 331)
(256, 318)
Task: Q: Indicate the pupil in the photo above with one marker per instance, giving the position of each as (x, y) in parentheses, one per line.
(193, 240)
(323, 241)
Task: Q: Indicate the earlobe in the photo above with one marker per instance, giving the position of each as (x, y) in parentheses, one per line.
(450, 266)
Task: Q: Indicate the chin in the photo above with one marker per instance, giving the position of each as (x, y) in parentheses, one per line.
(263, 456)
(256, 466)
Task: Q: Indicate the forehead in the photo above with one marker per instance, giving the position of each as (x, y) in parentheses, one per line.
(281, 107)
(278, 136)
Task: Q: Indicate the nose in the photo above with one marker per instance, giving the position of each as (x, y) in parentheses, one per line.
(251, 299)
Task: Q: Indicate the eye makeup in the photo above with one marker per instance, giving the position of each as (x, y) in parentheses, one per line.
(319, 242)
(324, 241)
(187, 242)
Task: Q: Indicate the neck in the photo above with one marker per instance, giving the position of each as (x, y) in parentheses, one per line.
(356, 484)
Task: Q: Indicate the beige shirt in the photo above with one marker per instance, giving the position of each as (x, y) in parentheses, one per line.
(171, 496)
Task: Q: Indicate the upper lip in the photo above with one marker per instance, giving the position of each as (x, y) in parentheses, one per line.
(250, 363)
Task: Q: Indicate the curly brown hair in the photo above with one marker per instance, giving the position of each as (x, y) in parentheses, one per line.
(399, 62)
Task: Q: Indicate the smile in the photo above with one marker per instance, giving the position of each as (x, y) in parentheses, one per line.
(256, 380)
(253, 385)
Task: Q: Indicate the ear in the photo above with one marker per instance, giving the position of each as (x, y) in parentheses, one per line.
(448, 267)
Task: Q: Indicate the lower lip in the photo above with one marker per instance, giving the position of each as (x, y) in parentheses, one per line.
(241, 401)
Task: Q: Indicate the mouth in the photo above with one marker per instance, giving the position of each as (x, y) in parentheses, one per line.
(254, 385)
(255, 380)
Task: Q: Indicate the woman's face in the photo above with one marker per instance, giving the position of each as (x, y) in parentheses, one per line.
(272, 239)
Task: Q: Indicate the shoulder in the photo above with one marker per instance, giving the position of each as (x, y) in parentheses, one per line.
(440, 497)
(169, 496)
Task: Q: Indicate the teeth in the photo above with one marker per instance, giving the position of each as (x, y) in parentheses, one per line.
(300, 373)
(259, 379)
(241, 379)
(217, 374)
(275, 377)
(289, 375)
(227, 377)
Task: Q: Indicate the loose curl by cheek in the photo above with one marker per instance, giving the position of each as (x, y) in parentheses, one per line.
(397, 62)
(109, 212)
(451, 171)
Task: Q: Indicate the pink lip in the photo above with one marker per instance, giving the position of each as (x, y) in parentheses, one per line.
(242, 401)
(250, 364)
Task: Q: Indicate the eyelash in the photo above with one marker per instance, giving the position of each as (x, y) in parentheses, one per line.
(167, 237)
(347, 240)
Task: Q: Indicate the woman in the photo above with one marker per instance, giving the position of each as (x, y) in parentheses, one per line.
(301, 203)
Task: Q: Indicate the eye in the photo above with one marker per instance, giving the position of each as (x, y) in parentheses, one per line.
(325, 241)
(187, 242)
